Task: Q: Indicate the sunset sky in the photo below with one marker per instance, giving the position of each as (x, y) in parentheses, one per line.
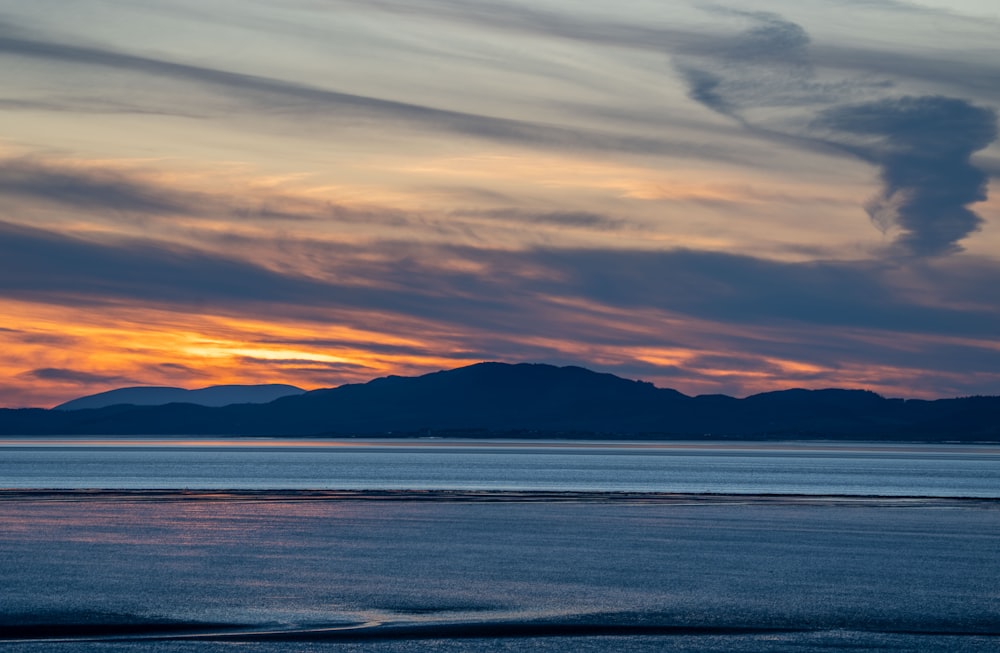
(718, 198)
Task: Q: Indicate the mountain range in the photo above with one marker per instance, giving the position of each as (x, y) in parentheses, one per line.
(216, 395)
(531, 401)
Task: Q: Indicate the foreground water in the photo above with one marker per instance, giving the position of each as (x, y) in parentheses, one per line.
(458, 547)
(785, 468)
(97, 574)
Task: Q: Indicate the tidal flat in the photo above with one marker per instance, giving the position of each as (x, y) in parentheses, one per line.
(272, 571)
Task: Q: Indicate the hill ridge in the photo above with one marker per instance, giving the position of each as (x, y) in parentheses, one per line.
(535, 400)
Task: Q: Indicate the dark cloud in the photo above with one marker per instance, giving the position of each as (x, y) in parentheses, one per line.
(174, 368)
(770, 40)
(582, 219)
(511, 304)
(705, 87)
(509, 289)
(53, 339)
(89, 189)
(968, 75)
(768, 64)
(924, 147)
(71, 376)
(742, 290)
(304, 363)
(38, 264)
(102, 189)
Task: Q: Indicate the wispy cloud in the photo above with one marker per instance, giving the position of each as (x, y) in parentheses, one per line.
(654, 189)
(497, 289)
(578, 219)
(922, 144)
(93, 188)
(73, 376)
(786, 44)
(265, 92)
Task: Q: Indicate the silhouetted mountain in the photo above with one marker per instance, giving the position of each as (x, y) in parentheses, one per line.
(216, 395)
(537, 401)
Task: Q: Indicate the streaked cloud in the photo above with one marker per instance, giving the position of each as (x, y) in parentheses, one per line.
(622, 307)
(268, 94)
(323, 192)
(88, 189)
(73, 376)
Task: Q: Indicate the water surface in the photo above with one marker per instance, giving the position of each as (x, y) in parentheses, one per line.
(457, 546)
(123, 575)
(783, 468)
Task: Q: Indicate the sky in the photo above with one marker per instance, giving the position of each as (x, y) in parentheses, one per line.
(714, 197)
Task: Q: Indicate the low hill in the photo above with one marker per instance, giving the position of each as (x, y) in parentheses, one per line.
(537, 401)
(216, 395)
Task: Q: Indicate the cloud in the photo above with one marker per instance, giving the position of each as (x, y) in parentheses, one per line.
(501, 290)
(401, 350)
(603, 306)
(36, 265)
(89, 188)
(571, 25)
(766, 65)
(923, 146)
(705, 87)
(304, 363)
(270, 93)
(770, 38)
(177, 368)
(743, 290)
(85, 104)
(104, 190)
(580, 219)
(72, 376)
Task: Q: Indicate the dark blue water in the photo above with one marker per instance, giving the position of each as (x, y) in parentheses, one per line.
(892, 470)
(575, 566)
(137, 575)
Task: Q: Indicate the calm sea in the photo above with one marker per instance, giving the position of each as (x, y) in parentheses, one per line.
(259, 464)
(272, 570)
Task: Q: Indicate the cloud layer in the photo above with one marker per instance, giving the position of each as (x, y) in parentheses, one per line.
(922, 144)
(317, 193)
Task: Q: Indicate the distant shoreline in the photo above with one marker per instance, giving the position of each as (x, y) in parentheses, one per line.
(486, 496)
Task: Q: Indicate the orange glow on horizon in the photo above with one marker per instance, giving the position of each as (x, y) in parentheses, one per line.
(53, 354)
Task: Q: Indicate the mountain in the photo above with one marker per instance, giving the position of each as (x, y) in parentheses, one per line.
(537, 401)
(216, 395)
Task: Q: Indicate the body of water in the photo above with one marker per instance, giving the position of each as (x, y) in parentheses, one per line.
(455, 547)
(765, 468)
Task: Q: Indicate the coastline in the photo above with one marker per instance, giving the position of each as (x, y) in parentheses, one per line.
(486, 496)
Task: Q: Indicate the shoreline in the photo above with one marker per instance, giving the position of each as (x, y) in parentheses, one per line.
(484, 496)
